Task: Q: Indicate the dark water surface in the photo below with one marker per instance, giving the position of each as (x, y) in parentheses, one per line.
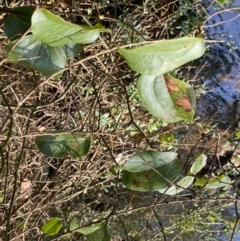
(221, 66)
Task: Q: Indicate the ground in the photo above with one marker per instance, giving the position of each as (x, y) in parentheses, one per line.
(97, 98)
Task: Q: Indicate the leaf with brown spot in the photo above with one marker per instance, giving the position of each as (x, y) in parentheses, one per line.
(136, 183)
(185, 103)
(171, 85)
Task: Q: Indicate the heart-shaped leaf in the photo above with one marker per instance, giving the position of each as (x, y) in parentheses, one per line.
(53, 30)
(36, 55)
(52, 226)
(60, 145)
(148, 171)
(164, 56)
(41, 57)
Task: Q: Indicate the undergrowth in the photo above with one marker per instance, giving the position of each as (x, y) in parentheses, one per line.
(98, 98)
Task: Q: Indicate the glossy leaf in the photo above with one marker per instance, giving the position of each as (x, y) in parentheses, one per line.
(52, 226)
(151, 171)
(198, 164)
(184, 183)
(32, 53)
(164, 56)
(18, 21)
(60, 145)
(54, 31)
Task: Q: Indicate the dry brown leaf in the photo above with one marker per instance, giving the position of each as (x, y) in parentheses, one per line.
(25, 186)
(41, 128)
(171, 85)
(185, 103)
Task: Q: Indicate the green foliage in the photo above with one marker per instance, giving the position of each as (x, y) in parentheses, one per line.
(198, 164)
(167, 139)
(174, 100)
(224, 2)
(167, 98)
(151, 170)
(52, 42)
(36, 55)
(184, 183)
(52, 226)
(237, 134)
(59, 145)
(214, 182)
(155, 97)
(48, 44)
(159, 58)
(18, 21)
(97, 232)
(55, 31)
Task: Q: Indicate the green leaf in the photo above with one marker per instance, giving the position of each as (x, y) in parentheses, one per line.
(184, 183)
(52, 226)
(237, 134)
(151, 171)
(55, 31)
(182, 96)
(72, 50)
(221, 181)
(198, 164)
(147, 160)
(167, 139)
(60, 145)
(154, 95)
(18, 21)
(32, 53)
(164, 56)
(1, 197)
(223, 2)
(216, 182)
(74, 226)
(97, 232)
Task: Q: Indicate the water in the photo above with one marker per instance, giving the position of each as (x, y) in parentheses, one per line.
(221, 66)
